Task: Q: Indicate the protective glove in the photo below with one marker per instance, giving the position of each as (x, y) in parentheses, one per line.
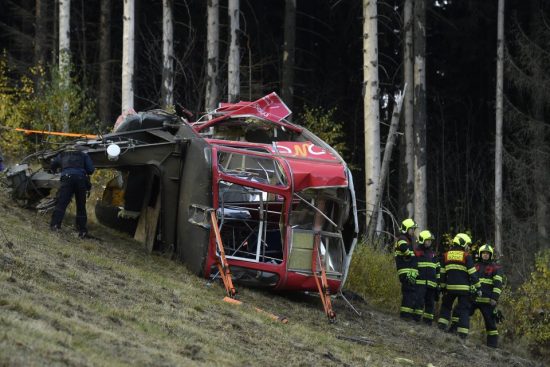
(411, 277)
(493, 303)
(498, 316)
(474, 292)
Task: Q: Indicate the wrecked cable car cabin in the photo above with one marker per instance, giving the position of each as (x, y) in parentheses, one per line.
(283, 199)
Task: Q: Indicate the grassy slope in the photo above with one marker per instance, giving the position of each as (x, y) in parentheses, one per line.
(65, 301)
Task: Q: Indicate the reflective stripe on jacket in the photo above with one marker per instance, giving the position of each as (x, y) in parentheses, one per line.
(428, 267)
(490, 277)
(405, 261)
(458, 272)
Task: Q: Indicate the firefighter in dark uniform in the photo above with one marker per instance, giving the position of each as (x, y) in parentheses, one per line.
(490, 277)
(407, 271)
(427, 282)
(459, 281)
(76, 166)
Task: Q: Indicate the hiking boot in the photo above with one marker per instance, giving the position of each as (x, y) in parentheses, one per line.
(55, 228)
(83, 235)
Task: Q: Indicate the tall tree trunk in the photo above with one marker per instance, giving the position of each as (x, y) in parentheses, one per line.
(128, 56)
(498, 133)
(40, 46)
(213, 49)
(420, 179)
(233, 76)
(40, 33)
(385, 168)
(540, 172)
(407, 184)
(288, 52)
(65, 54)
(167, 55)
(371, 108)
(105, 85)
(55, 38)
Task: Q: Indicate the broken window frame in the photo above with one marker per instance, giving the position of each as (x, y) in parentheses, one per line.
(263, 193)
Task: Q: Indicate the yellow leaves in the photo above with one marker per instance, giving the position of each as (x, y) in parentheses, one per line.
(530, 308)
(38, 101)
(373, 275)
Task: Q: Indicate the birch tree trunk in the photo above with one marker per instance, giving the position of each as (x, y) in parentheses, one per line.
(233, 77)
(288, 52)
(371, 109)
(65, 54)
(408, 113)
(213, 50)
(167, 55)
(105, 85)
(498, 134)
(128, 56)
(420, 179)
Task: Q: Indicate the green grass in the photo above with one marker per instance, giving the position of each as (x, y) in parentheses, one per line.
(71, 302)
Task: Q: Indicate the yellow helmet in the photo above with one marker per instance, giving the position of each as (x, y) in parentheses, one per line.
(407, 224)
(425, 235)
(462, 240)
(486, 248)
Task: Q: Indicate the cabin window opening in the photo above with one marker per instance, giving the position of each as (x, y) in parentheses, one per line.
(252, 168)
(326, 208)
(331, 252)
(250, 223)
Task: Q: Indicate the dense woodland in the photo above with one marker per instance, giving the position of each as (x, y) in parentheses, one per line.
(327, 77)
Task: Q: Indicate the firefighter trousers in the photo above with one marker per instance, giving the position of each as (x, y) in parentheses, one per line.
(408, 294)
(461, 310)
(424, 303)
(490, 323)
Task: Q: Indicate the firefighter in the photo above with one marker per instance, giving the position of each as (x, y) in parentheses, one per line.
(459, 281)
(76, 166)
(405, 261)
(427, 282)
(490, 277)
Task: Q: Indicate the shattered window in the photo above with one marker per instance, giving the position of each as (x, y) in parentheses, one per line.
(252, 130)
(331, 253)
(320, 209)
(252, 168)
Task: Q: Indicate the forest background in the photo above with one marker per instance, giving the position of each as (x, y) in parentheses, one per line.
(327, 94)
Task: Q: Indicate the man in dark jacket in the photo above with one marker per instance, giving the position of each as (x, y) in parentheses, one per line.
(458, 281)
(407, 271)
(427, 282)
(490, 277)
(76, 166)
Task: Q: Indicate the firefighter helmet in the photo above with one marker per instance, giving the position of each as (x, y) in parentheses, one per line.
(462, 240)
(407, 224)
(486, 248)
(425, 235)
